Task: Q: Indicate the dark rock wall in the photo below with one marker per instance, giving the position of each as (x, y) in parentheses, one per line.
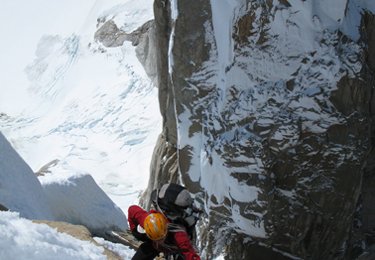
(164, 161)
(363, 234)
(329, 173)
(166, 94)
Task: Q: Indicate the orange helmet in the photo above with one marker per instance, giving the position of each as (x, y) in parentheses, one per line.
(156, 226)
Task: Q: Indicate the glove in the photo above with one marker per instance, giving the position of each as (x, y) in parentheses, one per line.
(160, 256)
(140, 229)
(139, 233)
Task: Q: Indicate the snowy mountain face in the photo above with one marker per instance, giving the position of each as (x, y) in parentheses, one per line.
(21, 191)
(266, 119)
(78, 200)
(82, 116)
(91, 109)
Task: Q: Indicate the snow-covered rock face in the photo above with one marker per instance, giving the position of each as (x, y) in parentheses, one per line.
(79, 200)
(267, 106)
(20, 190)
(75, 199)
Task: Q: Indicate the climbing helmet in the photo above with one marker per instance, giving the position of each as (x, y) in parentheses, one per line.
(156, 226)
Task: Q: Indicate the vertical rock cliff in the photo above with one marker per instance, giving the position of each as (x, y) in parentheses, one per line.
(268, 119)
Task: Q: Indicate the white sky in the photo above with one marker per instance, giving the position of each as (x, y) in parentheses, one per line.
(22, 23)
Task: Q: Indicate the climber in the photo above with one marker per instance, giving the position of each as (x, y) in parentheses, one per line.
(176, 203)
(159, 235)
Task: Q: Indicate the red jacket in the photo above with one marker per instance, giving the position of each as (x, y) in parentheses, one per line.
(137, 215)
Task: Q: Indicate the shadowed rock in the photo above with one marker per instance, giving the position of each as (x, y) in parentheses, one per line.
(3, 208)
(271, 115)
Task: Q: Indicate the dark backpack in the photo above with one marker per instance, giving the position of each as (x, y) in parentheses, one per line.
(176, 203)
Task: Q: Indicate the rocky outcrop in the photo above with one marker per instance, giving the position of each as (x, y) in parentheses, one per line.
(51, 198)
(363, 232)
(22, 192)
(68, 203)
(272, 130)
(45, 169)
(3, 208)
(79, 232)
(163, 166)
(143, 38)
(110, 35)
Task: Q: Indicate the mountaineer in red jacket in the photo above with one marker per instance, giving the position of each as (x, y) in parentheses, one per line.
(159, 235)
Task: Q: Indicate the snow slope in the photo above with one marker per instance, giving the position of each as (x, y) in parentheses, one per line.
(21, 239)
(77, 199)
(92, 109)
(89, 113)
(20, 189)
